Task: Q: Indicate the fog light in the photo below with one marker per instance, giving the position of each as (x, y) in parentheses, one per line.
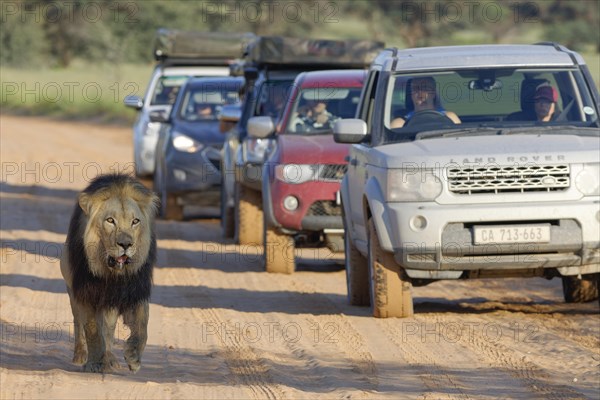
(179, 174)
(418, 223)
(290, 203)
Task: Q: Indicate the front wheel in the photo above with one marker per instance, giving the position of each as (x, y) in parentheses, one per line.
(169, 208)
(357, 274)
(390, 287)
(278, 251)
(577, 290)
(248, 216)
(227, 215)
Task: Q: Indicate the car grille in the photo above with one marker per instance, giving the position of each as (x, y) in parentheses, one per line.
(324, 208)
(513, 179)
(332, 172)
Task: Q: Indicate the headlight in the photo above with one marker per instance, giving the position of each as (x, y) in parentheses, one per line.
(296, 173)
(587, 181)
(257, 149)
(185, 143)
(412, 185)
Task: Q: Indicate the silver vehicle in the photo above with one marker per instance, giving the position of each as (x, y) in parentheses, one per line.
(472, 162)
(164, 85)
(180, 55)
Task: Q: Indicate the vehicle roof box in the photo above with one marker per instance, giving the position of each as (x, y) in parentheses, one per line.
(288, 51)
(172, 46)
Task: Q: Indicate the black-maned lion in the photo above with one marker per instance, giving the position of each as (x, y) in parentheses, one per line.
(107, 265)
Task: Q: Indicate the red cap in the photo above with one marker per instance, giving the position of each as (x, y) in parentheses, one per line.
(547, 93)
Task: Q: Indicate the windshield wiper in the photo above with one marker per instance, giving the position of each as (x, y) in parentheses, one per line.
(553, 130)
(521, 130)
(478, 130)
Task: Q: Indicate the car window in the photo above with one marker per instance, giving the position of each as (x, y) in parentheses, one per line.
(271, 98)
(166, 89)
(485, 98)
(204, 102)
(315, 110)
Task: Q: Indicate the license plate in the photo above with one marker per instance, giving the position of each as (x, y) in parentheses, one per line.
(539, 233)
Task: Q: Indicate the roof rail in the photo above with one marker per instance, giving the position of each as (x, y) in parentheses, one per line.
(560, 47)
(385, 54)
(557, 46)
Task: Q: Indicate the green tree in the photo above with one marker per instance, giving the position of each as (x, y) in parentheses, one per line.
(22, 40)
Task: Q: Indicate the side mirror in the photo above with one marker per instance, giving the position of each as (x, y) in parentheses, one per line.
(260, 127)
(349, 130)
(230, 115)
(159, 116)
(134, 102)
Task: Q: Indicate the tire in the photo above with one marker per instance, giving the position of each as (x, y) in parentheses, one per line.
(278, 251)
(248, 216)
(335, 243)
(577, 290)
(169, 209)
(390, 288)
(357, 274)
(227, 217)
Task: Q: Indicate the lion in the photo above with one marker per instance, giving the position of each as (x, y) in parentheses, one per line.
(107, 265)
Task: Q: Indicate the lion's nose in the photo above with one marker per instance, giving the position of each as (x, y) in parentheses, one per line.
(125, 244)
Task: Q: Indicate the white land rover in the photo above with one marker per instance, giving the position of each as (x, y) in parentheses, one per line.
(472, 162)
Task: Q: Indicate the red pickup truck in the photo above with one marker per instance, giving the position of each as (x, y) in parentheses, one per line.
(300, 184)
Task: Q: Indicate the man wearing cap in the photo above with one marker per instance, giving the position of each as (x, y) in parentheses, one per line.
(545, 103)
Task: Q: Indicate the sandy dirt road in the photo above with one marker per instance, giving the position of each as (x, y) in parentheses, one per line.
(222, 328)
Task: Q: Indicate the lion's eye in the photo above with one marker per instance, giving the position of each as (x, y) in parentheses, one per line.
(135, 221)
(110, 220)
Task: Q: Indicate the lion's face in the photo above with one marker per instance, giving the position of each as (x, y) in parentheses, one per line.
(122, 227)
(118, 233)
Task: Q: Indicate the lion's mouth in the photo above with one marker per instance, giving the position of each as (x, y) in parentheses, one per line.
(119, 262)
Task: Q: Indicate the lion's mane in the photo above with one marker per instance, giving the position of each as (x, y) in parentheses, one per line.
(93, 283)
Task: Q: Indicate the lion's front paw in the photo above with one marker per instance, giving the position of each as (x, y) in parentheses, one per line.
(133, 359)
(108, 363)
(80, 357)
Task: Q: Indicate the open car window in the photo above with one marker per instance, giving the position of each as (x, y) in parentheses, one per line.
(485, 98)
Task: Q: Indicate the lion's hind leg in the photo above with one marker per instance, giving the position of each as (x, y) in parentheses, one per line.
(137, 321)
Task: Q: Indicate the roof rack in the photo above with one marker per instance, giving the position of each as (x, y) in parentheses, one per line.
(288, 51)
(172, 46)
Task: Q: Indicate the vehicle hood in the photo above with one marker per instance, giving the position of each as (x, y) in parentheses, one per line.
(202, 131)
(311, 149)
(502, 150)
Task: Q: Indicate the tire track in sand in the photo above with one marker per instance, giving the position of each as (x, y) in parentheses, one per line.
(246, 367)
(499, 356)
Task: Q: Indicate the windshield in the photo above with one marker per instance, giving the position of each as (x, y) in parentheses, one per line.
(491, 98)
(204, 102)
(166, 89)
(315, 110)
